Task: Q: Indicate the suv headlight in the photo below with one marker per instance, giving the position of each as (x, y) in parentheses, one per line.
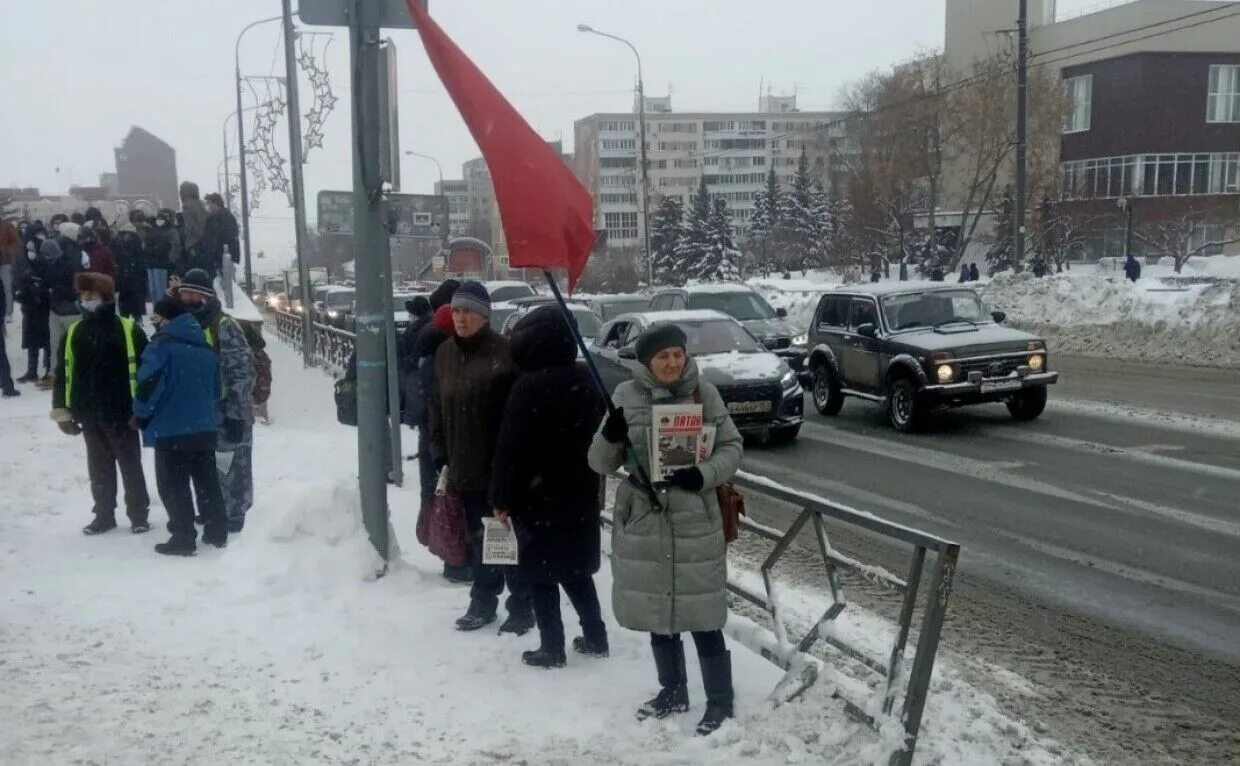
(801, 340)
(944, 373)
(1037, 363)
(789, 380)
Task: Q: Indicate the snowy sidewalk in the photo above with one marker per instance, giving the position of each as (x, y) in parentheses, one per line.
(277, 651)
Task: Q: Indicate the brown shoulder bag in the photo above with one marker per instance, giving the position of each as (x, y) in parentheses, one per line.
(731, 501)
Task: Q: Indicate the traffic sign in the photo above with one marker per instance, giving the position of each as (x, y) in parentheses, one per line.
(393, 14)
(418, 216)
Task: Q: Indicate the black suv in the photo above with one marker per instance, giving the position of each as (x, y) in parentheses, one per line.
(917, 347)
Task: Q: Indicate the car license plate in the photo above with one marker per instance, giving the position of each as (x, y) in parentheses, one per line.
(1000, 385)
(748, 408)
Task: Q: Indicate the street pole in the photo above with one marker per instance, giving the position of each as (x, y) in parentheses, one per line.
(245, 191)
(1022, 104)
(228, 186)
(432, 159)
(372, 258)
(645, 164)
(299, 192)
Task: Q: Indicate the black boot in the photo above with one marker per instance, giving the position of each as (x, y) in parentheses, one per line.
(518, 624)
(544, 658)
(99, 526)
(591, 647)
(175, 547)
(669, 661)
(458, 575)
(29, 377)
(717, 681)
(475, 617)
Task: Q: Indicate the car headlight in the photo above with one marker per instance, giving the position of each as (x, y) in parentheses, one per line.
(944, 373)
(1037, 362)
(801, 340)
(333, 313)
(789, 380)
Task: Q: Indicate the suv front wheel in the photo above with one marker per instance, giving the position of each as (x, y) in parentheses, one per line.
(905, 409)
(826, 392)
(1028, 404)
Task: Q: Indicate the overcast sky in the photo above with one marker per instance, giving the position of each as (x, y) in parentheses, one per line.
(80, 72)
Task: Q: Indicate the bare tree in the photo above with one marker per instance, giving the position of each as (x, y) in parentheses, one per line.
(1183, 237)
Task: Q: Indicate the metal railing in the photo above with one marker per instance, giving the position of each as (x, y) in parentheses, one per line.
(801, 669)
(332, 348)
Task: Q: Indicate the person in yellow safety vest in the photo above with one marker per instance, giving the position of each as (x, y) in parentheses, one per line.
(236, 437)
(96, 379)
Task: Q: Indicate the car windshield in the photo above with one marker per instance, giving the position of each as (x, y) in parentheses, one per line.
(510, 292)
(340, 299)
(932, 309)
(718, 336)
(613, 309)
(742, 306)
(587, 321)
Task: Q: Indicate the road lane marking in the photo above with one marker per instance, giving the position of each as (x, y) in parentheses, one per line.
(1209, 523)
(1148, 454)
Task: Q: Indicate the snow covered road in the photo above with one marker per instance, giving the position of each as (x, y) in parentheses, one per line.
(276, 650)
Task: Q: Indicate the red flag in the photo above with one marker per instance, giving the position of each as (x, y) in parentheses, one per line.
(547, 213)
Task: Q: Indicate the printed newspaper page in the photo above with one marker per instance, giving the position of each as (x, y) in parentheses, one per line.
(675, 438)
(499, 543)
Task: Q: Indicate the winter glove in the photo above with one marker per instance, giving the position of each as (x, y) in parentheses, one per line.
(616, 428)
(688, 479)
(69, 428)
(234, 430)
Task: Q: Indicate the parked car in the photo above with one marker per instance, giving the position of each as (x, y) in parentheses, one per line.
(400, 315)
(332, 303)
(611, 306)
(500, 313)
(745, 305)
(588, 322)
(504, 290)
(762, 393)
(916, 347)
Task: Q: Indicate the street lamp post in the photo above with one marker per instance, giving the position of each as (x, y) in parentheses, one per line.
(228, 200)
(245, 189)
(645, 165)
(1125, 204)
(432, 159)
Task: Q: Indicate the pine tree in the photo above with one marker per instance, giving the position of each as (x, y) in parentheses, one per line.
(695, 234)
(799, 225)
(8, 210)
(768, 203)
(664, 234)
(1002, 255)
(720, 260)
(821, 226)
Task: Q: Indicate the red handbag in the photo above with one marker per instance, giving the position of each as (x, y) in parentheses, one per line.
(448, 537)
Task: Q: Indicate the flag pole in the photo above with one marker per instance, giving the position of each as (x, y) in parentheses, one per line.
(629, 450)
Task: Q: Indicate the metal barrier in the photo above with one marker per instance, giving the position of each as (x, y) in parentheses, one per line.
(332, 348)
(802, 669)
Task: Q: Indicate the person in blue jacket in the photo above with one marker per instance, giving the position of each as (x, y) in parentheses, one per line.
(178, 393)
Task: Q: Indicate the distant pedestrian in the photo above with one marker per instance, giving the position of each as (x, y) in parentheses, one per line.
(543, 482)
(96, 381)
(32, 296)
(669, 563)
(236, 407)
(473, 374)
(160, 248)
(61, 269)
(178, 387)
(220, 245)
(974, 273)
(7, 389)
(875, 277)
(194, 217)
(99, 256)
(11, 248)
(130, 274)
(1132, 268)
(964, 273)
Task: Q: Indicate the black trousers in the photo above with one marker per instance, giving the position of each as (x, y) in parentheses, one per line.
(175, 472)
(108, 447)
(546, 600)
(6, 375)
(709, 642)
(32, 361)
(489, 580)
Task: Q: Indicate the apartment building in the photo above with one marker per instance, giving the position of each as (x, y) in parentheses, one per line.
(457, 192)
(733, 150)
(1154, 92)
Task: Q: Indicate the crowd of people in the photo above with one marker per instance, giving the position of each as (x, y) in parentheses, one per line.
(517, 430)
(191, 391)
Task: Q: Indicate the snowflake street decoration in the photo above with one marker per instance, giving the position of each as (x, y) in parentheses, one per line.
(324, 101)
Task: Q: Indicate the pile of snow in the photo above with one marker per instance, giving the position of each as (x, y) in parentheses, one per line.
(279, 650)
(799, 297)
(1098, 313)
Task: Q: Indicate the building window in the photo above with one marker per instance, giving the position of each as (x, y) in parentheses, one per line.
(1205, 239)
(1080, 91)
(620, 226)
(616, 126)
(617, 162)
(618, 144)
(618, 199)
(1151, 175)
(677, 146)
(684, 163)
(1223, 102)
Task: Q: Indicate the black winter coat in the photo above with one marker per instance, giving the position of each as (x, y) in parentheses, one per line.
(221, 229)
(540, 472)
(59, 280)
(421, 388)
(130, 275)
(100, 369)
(31, 294)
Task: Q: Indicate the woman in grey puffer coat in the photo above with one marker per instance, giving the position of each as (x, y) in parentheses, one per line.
(669, 562)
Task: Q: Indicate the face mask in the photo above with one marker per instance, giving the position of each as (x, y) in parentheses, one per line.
(91, 304)
(160, 222)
